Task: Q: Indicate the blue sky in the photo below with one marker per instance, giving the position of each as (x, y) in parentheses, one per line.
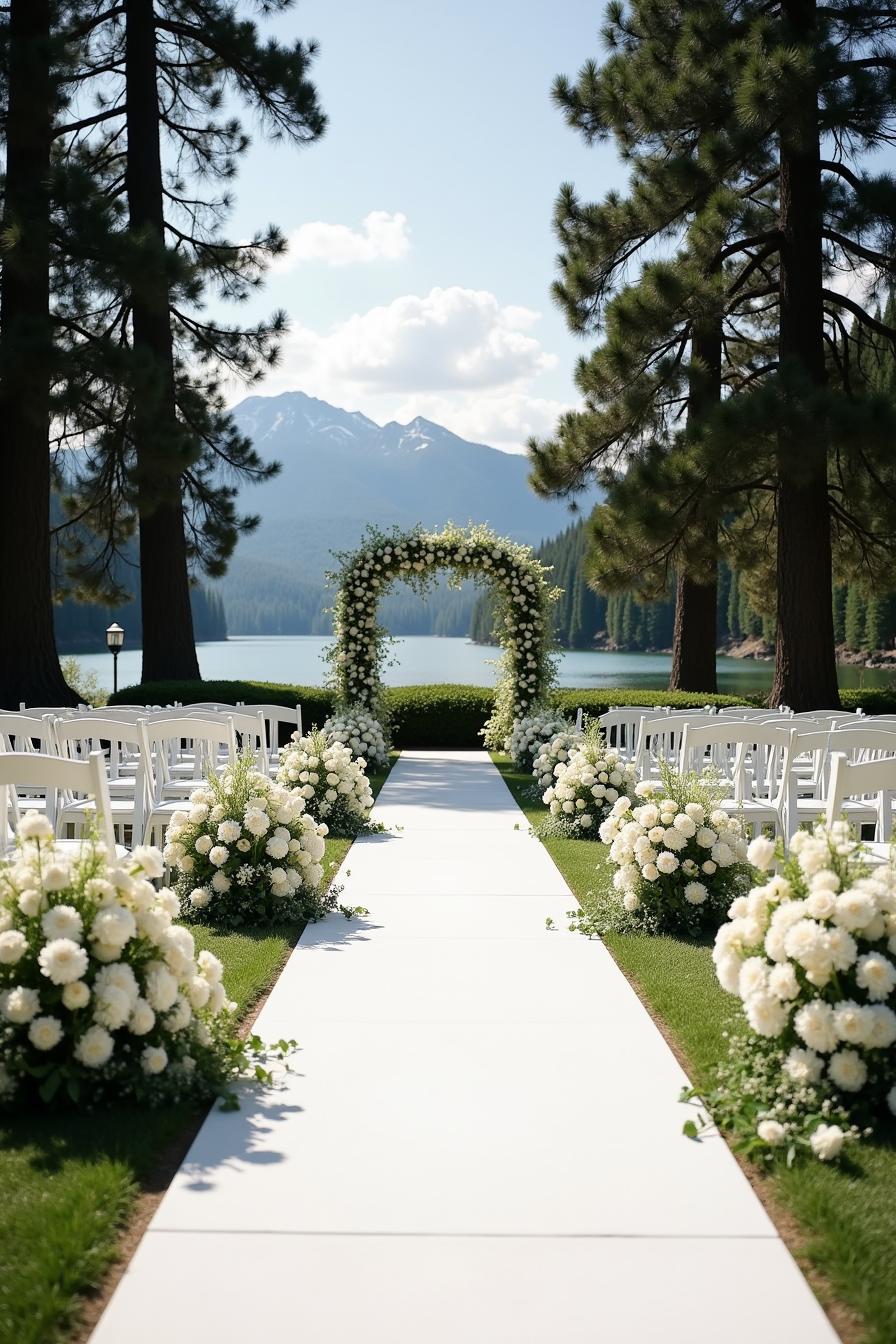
(440, 114)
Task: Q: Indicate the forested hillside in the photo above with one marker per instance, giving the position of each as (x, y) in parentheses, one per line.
(586, 619)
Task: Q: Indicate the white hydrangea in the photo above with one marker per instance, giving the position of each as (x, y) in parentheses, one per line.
(585, 787)
(663, 843)
(529, 734)
(554, 752)
(263, 850)
(83, 989)
(815, 941)
(331, 779)
(362, 733)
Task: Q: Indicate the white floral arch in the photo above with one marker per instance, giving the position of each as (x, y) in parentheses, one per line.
(516, 578)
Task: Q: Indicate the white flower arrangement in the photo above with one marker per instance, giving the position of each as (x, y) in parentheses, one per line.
(102, 994)
(362, 733)
(247, 852)
(556, 751)
(330, 779)
(530, 733)
(586, 786)
(680, 860)
(811, 954)
(523, 599)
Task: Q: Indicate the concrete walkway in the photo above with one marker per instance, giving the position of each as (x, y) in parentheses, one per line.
(480, 1143)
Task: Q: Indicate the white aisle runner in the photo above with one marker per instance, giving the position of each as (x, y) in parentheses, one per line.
(480, 1143)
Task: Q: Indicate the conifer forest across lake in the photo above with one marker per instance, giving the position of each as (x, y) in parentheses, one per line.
(421, 659)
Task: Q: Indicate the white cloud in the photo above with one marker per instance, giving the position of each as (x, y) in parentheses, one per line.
(456, 356)
(381, 237)
(505, 419)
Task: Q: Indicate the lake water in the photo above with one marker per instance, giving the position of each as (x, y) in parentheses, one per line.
(425, 658)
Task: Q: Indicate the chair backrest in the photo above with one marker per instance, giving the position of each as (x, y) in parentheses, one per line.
(217, 706)
(857, 779)
(120, 743)
(54, 775)
(660, 737)
(755, 753)
(24, 732)
(620, 727)
(864, 741)
(164, 735)
(275, 716)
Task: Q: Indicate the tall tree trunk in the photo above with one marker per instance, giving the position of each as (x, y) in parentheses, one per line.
(169, 649)
(29, 663)
(805, 666)
(695, 638)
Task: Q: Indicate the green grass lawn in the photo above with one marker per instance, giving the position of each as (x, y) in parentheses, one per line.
(69, 1181)
(846, 1215)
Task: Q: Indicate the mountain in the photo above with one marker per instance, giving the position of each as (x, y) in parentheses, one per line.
(341, 471)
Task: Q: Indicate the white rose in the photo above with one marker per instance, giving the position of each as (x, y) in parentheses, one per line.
(803, 1066)
(35, 826)
(75, 995)
(45, 1032)
(874, 973)
(94, 1049)
(153, 1059)
(13, 946)
(783, 982)
(766, 1014)
(771, 1132)
(826, 1142)
(149, 859)
(848, 1070)
(814, 1024)
(142, 1018)
(761, 852)
(62, 960)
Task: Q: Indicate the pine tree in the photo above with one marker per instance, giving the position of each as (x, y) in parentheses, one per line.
(161, 431)
(839, 608)
(663, 95)
(803, 457)
(34, 68)
(854, 619)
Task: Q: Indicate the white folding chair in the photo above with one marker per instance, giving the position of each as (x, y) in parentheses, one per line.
(127, 772)
(809, 782)
(660, 738)
(752, 758)
(55, 777)
(211, 740)
(620, 728)
(851, 779)
(183, 772)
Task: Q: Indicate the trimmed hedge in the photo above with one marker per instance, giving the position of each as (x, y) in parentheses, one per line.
(446, 715)
(438, 716)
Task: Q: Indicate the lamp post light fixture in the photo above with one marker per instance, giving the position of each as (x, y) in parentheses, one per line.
(114, 641)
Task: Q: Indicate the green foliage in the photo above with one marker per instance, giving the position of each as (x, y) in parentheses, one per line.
(438, 716)
(517, 581)
(86, 685)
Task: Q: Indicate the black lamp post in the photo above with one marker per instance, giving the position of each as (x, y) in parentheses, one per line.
(114, 641)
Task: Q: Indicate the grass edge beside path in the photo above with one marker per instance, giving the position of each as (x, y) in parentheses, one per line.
(77, 1190)
(839, 1222)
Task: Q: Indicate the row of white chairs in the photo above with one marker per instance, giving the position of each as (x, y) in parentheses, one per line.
(779, 770)
(151, 759)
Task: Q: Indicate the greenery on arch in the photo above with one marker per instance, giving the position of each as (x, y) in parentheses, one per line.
(519, 582)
